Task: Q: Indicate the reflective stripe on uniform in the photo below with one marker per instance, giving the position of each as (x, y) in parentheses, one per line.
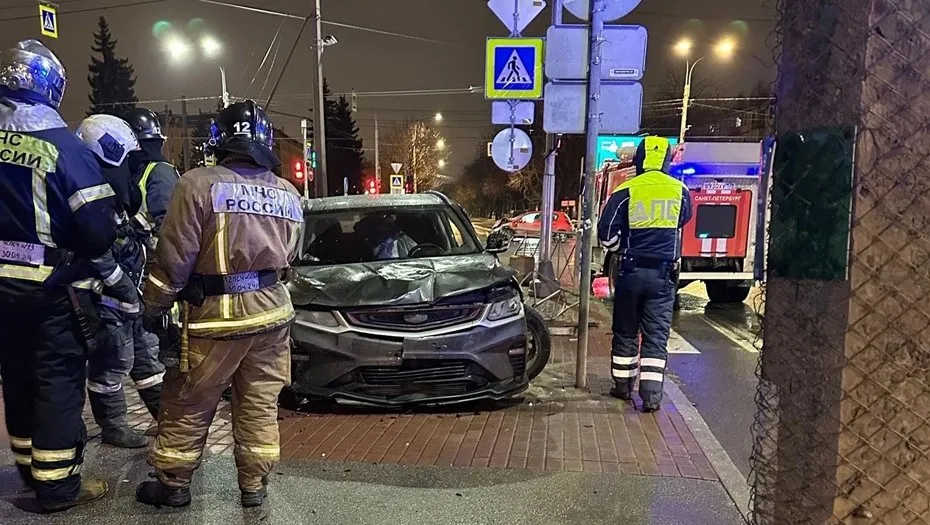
(163, 286)
(40, 207)
(652, 376)
(98, 388)
(268, 451)
(619, 360)
(27, 273)
(278, 314)
(116, 304)
(623, 373)
(55, 474)
(114, 277)
(656, 363)
(19, 442)
(88, 195)
(222, 264)
(51, 456)
(151, 381)
(173, 454)
(22, 459)
(94, 285)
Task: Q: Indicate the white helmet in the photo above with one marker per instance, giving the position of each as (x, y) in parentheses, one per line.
(109, 137)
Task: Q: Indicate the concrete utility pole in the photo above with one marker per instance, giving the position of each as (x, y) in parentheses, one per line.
(377, 154)
(319, 107)
(546, 269)
(587, 213)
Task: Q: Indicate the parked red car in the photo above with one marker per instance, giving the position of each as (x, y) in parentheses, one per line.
(530, 224)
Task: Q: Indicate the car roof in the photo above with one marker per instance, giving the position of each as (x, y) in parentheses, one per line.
(355, 202)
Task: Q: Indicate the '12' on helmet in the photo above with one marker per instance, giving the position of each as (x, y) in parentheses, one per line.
(245, 129)
(144, 122)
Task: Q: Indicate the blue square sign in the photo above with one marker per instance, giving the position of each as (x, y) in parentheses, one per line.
(514, 68)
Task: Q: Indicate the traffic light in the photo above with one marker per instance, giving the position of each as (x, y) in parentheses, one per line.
(299, 170)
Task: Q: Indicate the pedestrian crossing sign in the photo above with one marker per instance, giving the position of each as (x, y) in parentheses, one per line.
(48, 19)
(514, 69)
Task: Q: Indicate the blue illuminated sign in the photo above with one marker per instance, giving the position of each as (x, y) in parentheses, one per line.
(615, 147)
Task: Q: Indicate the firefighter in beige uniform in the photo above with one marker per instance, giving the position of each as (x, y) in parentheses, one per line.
(230, 232)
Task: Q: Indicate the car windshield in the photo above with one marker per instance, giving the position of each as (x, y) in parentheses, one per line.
(379, 234)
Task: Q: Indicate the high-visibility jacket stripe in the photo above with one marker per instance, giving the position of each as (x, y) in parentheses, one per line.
(269, 317)
(87, 195)
(26, 273)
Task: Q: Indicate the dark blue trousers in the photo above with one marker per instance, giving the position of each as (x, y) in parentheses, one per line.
(644, 300)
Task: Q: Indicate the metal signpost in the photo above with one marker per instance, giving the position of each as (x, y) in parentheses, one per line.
(303, 133)
(397, 179)
(513, 79)
(593, 87)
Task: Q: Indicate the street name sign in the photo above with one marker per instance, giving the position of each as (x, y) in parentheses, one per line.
(514, 68)
(623, 52)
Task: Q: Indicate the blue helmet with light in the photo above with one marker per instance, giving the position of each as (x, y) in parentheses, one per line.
(29, 70)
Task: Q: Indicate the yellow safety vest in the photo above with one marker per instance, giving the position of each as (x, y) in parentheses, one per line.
(143, 217)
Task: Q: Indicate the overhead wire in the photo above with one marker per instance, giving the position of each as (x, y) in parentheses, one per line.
(88, 10)
(267, 52)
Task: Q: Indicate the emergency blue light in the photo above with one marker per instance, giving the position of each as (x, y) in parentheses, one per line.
(723, 170)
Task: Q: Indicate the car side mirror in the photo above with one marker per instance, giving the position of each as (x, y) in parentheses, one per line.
(497, 243)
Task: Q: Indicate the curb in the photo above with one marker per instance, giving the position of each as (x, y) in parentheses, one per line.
(731, 478)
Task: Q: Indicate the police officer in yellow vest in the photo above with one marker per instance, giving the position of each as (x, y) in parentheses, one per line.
(641, 224)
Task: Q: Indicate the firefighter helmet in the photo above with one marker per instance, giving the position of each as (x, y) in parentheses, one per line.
(244, 128)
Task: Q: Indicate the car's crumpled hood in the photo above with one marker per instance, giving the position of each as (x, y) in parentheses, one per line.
(394, 283)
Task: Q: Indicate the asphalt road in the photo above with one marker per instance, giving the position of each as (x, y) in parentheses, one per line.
(721, 380)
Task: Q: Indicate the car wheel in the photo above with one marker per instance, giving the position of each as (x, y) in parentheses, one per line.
(538, 344)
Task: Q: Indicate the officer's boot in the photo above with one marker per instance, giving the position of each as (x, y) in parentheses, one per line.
(255, 498)
(110, 413)
(158, 494)
(91, 490)
(622, 390)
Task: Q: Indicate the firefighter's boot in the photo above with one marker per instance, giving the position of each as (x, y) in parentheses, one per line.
(158, 494)
(257, 497)
(91, 490)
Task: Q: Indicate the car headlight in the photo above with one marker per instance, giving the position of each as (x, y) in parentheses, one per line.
(507, 308)
(317, 318)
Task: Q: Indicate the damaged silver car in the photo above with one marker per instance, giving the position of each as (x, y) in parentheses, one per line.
(399, 303)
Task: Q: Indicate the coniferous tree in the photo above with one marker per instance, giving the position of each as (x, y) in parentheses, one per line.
(112, 79)
(344, 153)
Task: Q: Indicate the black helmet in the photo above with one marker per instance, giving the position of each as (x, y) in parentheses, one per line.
(244, 128)
(145, 123)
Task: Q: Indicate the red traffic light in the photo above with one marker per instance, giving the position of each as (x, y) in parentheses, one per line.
(298, 166)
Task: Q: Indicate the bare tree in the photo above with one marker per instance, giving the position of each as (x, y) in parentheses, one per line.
(420, 148)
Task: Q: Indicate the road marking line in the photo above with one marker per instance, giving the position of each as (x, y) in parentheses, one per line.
(731, 335)
(679, 345)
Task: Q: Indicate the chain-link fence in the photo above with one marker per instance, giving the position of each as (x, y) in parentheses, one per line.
(843, 427)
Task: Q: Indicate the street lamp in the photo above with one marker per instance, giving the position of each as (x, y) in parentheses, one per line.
(210, 46)
(724, 49)
(438, 117)
(177, 48)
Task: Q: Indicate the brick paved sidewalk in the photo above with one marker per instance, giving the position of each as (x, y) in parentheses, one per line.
(554, 427)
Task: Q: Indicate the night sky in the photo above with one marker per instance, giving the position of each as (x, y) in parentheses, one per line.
(366, 61)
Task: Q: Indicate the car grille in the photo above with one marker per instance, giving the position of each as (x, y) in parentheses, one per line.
(429, 377)
(414, 319)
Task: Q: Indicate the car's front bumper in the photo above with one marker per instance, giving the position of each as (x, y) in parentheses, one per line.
(482, 361)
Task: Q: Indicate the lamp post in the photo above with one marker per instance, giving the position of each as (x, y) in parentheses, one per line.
(724, 49)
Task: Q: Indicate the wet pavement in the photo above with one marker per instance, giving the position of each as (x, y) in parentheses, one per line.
(720, 380)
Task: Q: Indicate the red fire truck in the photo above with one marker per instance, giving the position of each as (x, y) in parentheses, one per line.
(723, 243)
